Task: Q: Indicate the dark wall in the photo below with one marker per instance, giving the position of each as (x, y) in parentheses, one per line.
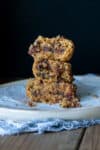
(23, 20)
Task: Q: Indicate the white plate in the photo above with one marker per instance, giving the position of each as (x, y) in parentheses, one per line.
(13, 102)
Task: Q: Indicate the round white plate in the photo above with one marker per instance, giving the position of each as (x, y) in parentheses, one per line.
(13, 102)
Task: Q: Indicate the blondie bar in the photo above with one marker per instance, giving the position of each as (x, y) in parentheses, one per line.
(57, 92)
(52, 70)
(58, 48)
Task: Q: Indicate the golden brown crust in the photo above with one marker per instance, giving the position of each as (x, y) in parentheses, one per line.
(56, 92)
(52, 70)
(57, 48)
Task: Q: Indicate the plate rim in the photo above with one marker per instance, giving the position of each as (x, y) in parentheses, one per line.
(81, 111)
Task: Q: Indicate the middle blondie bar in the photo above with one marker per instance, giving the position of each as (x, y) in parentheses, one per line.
(52, 70)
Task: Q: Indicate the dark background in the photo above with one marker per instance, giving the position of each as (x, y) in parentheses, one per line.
(21, 21)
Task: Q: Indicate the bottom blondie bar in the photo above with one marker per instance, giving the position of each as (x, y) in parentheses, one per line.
(55, 92)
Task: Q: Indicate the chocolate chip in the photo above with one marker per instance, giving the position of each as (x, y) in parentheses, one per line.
(38, 42)
(43, 65)
(46, 49)
(59, 70)
(43, 75)
(39, 67)
(35, 92)
(61, 93)
(59, 51)
(33, 49)
(68, 96)
(41, 82)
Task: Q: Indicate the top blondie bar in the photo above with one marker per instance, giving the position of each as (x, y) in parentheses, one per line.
(55, 48)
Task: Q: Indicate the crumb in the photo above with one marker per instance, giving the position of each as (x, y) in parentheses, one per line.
(30, 103)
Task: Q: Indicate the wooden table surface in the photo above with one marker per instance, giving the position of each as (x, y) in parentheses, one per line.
(80, 139)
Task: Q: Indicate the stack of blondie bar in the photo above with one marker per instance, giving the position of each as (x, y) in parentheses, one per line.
(53, 82)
